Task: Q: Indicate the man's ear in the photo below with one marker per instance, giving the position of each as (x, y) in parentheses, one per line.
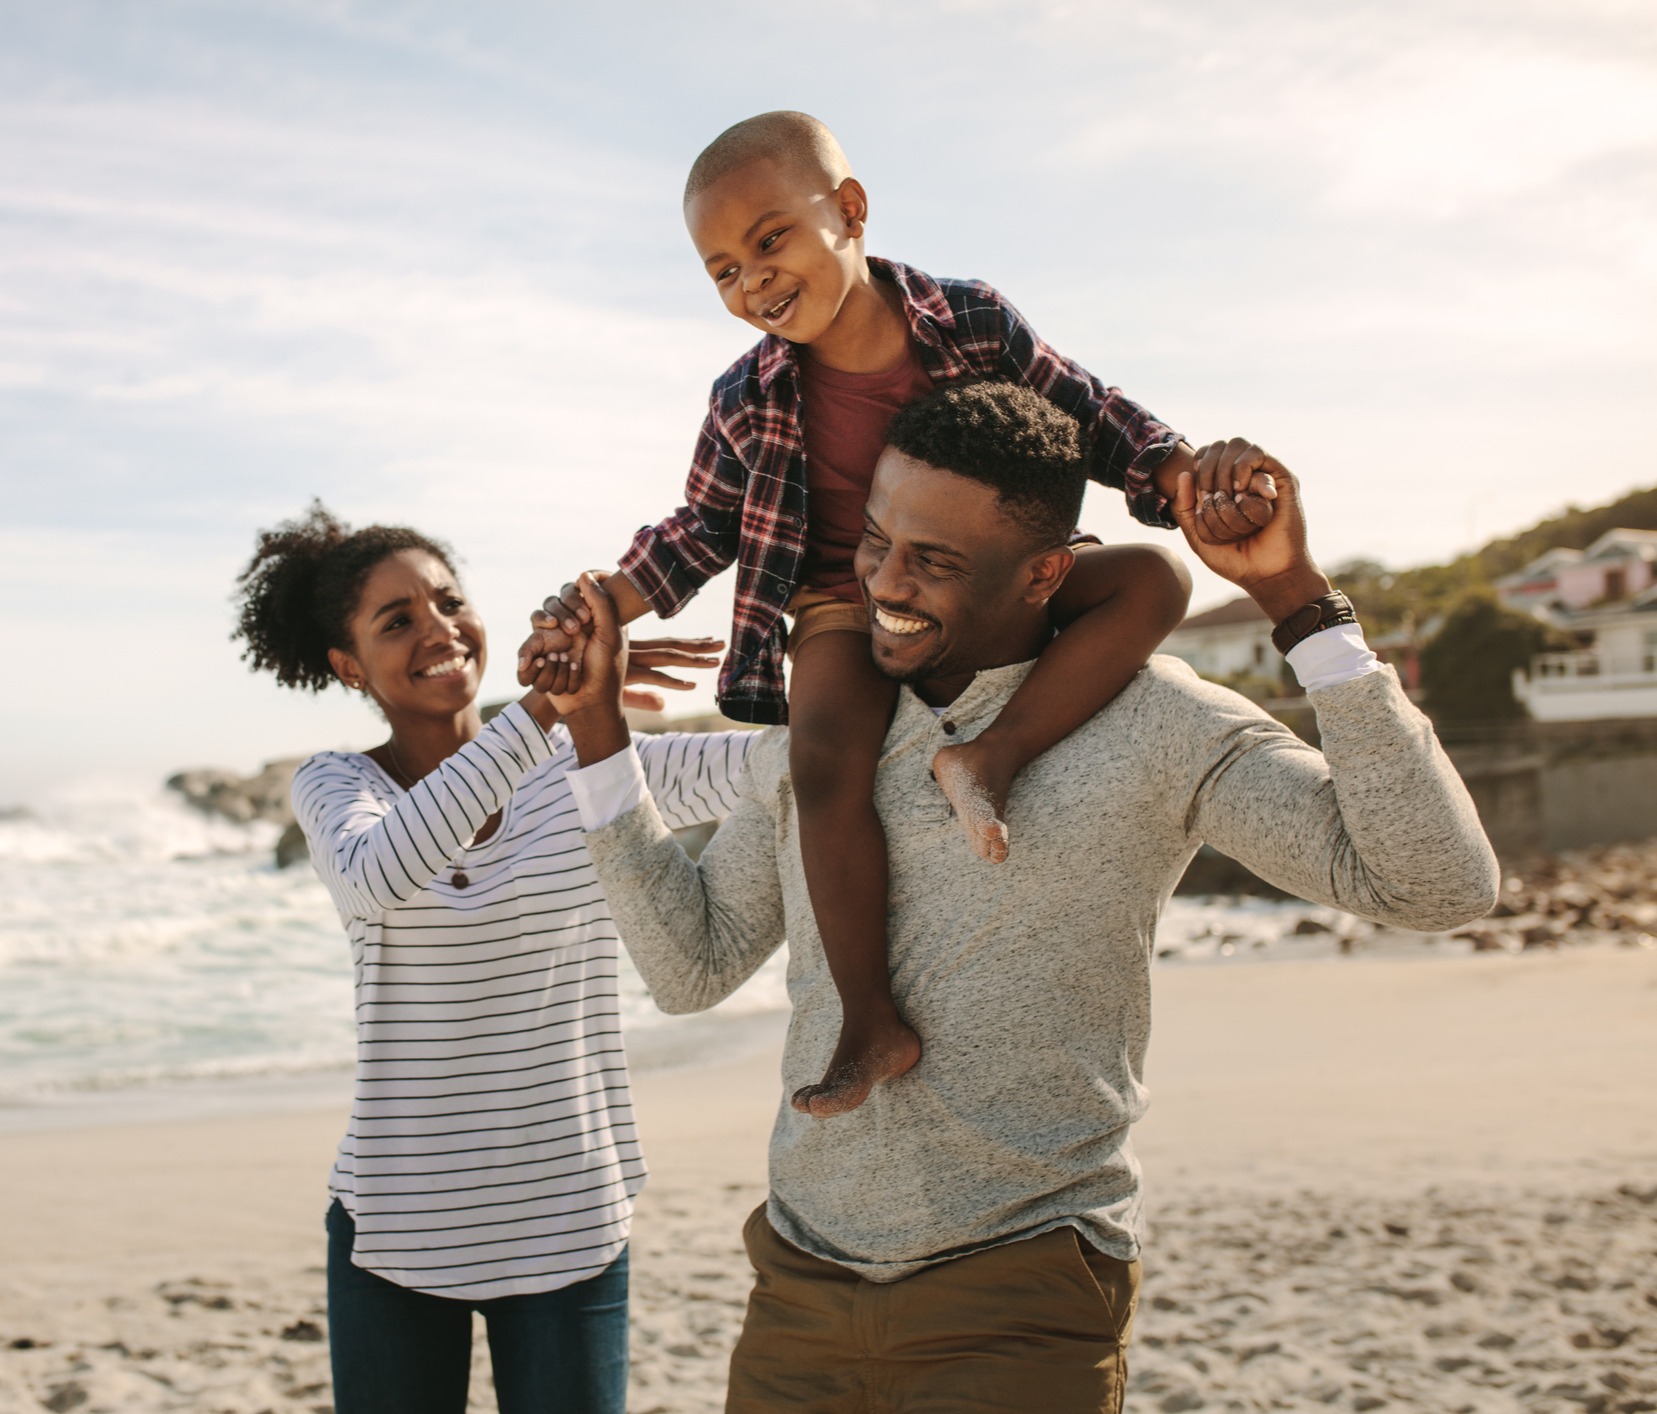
(347, 670)
(1047, 571)
(853, 202)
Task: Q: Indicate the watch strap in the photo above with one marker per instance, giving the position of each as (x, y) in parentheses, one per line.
(1324, 612)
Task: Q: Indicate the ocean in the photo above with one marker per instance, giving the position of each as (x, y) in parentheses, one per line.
(149, 950)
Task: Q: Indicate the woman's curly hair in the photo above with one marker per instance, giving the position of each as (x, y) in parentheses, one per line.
(298, 592)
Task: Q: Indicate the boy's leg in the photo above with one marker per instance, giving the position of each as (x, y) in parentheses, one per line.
(393, 1351)
(839, 706)
(1113, 609)
(563, 1350)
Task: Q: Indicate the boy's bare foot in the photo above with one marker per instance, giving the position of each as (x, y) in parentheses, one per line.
(975, 780)
(867, 1055)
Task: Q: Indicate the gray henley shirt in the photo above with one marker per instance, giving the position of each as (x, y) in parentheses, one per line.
(1030, 981)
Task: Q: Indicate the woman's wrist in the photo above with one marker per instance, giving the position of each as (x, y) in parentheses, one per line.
(540, 707)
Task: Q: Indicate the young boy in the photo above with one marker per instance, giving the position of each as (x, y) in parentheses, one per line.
(778, 221)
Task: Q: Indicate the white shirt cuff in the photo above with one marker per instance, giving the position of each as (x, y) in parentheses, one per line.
(1331, 657)
(607, 789)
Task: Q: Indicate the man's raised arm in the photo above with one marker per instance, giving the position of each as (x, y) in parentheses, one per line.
(696, 932)
(1378, 824)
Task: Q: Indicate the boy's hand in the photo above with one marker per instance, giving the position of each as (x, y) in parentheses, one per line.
(558, 630)
(550, 651)
(559, 673)
(1235, 488)
(1274, 566)
(591, 707)
(560, 625)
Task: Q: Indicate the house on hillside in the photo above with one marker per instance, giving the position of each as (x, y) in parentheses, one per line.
(1606, 596)
(1224, 642)
(1613, 676)
(1618, 566)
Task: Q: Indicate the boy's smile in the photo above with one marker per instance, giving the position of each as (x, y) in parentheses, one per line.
(784, 247)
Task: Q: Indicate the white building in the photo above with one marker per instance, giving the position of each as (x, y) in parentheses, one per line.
(1221, 643)
(1615, 677)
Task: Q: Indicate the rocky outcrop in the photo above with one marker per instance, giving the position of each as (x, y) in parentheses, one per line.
(292, 848)
(244, 799)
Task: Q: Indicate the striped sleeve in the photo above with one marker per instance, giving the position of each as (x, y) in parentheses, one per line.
(373, 858)
(693, 775)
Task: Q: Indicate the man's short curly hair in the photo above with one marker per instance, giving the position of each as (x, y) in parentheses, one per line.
(1010, 439)
(298, 593)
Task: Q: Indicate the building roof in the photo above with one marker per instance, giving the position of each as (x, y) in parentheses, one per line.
(1620, 543)
(1642, 606)
(1543, 567)
(1236, 611)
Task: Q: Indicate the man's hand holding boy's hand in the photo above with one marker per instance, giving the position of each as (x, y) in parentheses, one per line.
(559, 631)
(552, 658)
(591, 706)
(1235, 494)
(1273, 565)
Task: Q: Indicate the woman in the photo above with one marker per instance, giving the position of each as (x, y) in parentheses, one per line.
(491, 1161)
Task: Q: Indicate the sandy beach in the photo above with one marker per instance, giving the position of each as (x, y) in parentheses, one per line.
(1423, 1184)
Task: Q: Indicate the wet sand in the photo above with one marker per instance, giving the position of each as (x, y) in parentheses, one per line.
(1373, 1184)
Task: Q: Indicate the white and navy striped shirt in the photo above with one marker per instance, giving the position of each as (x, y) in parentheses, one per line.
(491, 1150)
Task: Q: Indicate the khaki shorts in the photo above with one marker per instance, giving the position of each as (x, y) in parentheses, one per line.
(816, 612)
(1037, 1325)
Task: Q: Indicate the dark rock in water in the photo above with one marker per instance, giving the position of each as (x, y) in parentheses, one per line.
(1308, 926)
(292, 848)
(213, 792)
(262, 796)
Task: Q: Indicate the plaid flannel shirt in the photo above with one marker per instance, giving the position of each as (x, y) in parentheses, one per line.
(746, 496)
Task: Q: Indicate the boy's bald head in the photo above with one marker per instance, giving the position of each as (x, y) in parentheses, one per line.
(795, 140)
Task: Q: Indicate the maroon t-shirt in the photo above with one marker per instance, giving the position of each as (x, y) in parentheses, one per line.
(845, 421)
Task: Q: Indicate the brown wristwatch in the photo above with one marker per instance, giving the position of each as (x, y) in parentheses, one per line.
(1324, 612)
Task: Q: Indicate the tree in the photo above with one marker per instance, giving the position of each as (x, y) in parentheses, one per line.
(1467, 668)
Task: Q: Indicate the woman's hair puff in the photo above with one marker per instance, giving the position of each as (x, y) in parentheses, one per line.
(298, 593)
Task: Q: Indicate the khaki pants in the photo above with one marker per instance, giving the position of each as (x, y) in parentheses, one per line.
(1038, 1325)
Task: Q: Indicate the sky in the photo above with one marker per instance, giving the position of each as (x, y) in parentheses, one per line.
(426, 262)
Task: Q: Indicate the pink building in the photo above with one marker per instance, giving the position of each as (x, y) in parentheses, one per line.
(1619, 566)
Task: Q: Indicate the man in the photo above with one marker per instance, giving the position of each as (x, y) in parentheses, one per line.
(968, 1239)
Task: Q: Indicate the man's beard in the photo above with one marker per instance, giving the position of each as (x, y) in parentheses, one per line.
(928, 667)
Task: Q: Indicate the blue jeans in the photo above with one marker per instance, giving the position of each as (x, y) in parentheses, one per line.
(397, 1351)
